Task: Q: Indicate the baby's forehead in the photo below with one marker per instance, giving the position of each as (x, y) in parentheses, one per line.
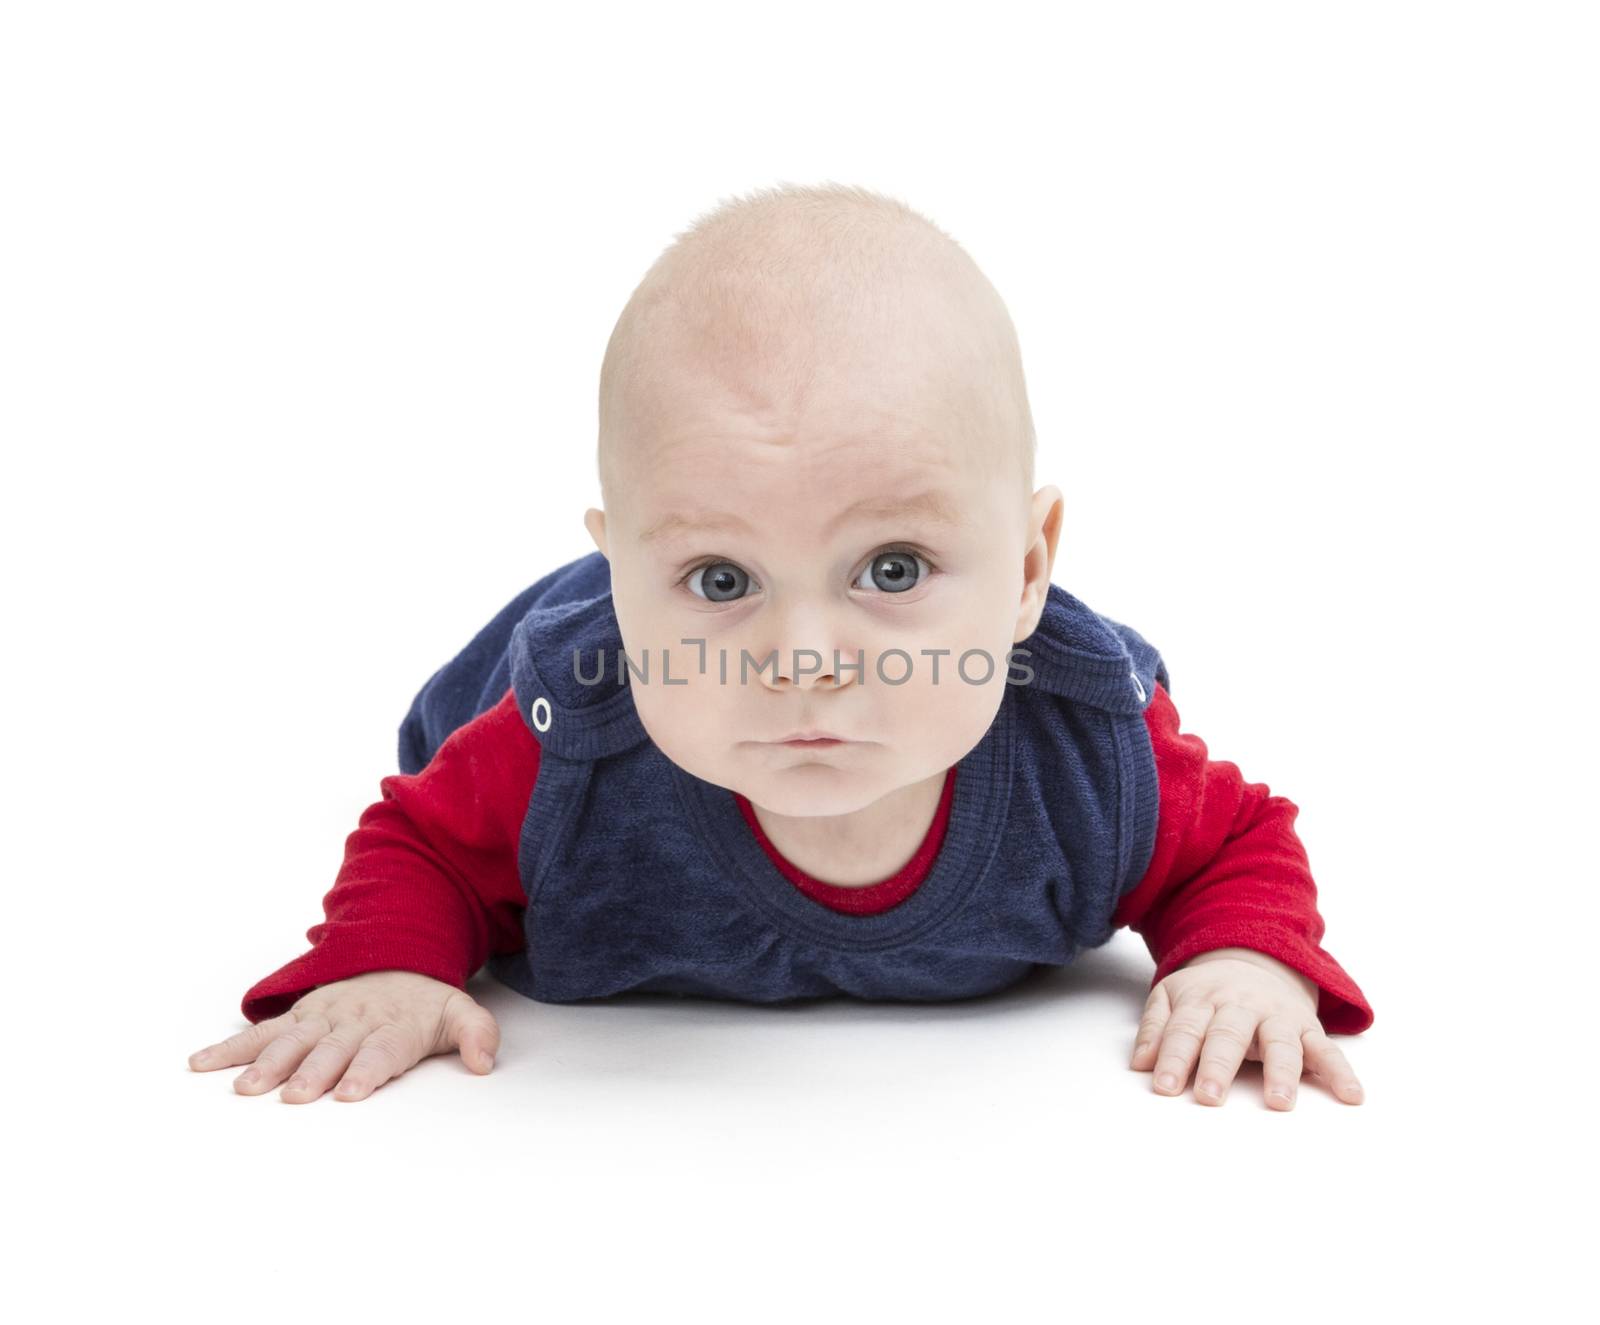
(710, 482)
(859, 401)
(846, 447)
(832, 451)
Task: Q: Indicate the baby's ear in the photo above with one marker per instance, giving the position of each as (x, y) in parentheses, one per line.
(1044, 528)
(594, 520)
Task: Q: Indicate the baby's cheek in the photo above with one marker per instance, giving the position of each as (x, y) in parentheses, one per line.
(962, 706)
(687, 722)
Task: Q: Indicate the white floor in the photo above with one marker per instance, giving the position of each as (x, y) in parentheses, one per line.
(827, 1161)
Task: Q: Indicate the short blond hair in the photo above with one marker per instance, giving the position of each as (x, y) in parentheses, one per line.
(775, 271)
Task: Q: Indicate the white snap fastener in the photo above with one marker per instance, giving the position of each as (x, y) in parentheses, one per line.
(543, 726)
(1138, 684)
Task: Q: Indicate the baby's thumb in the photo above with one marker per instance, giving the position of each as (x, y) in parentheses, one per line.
(471, 1027)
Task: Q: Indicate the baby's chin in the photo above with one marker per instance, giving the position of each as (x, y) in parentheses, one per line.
(806, 790)
(795, 785)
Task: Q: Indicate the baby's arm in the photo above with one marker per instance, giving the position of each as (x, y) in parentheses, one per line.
(428, 890)
(1229, 889)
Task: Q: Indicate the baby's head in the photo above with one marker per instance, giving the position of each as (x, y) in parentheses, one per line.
(816, 448)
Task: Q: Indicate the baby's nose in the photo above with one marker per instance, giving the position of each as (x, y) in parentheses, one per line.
(806, 669)
(809, 655)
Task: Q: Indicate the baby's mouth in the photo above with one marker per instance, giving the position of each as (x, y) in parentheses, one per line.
(809, 738)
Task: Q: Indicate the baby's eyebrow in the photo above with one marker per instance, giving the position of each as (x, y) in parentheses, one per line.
(931, 506)
(686, 524)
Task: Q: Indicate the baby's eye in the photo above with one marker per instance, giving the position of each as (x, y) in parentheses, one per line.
(718, 582)
(893, 571)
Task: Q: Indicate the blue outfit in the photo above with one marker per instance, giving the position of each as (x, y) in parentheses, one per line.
(641, 877)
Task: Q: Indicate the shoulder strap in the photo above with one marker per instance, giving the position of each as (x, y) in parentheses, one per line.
(1089, 658)
(476, 678)
(572, 681)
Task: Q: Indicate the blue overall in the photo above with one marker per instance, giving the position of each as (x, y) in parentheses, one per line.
(641, 877)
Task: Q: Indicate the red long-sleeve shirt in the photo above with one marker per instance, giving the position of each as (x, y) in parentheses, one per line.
(430, 881)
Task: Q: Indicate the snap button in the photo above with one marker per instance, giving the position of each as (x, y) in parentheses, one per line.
(543, 726)
(1138, 685)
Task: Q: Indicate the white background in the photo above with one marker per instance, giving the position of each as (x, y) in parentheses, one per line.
(303, 308)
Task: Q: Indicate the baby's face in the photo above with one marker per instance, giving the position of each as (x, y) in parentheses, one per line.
(864, 522)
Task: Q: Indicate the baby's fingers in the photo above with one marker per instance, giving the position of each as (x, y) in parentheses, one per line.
(1180, 1046)
(324, 1064)
(1324, 1058)
(1282, 1057)
(1157, 1008)
(387, 1052)
(240, 1048)
(1228, 1039)
(283, 1054)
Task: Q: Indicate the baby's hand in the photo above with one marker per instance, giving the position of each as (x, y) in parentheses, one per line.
(1240, 1004)
(359, 1032)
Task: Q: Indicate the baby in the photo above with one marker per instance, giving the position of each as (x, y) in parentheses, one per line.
(813, 719)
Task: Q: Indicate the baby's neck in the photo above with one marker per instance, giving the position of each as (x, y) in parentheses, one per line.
(854, 850)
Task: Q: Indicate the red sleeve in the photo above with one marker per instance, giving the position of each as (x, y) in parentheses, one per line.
(429, 881)
(1229, 871)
